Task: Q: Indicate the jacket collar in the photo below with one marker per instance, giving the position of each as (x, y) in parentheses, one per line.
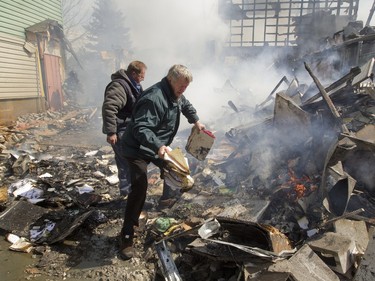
(168, 90)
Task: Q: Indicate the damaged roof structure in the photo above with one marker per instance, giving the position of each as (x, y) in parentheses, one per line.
(287, 194)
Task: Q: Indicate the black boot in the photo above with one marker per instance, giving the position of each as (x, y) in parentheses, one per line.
(126, 246)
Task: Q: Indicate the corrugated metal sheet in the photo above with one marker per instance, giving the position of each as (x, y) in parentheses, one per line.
(16, 15)
(18, 70)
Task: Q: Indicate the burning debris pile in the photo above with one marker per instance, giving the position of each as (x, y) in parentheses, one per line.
(289, 196)
(310, 157)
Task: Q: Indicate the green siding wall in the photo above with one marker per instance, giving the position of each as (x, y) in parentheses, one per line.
(16, 15)
(18, 70)
(21, 89)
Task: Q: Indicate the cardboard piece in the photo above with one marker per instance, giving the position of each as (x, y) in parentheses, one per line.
(199, 143)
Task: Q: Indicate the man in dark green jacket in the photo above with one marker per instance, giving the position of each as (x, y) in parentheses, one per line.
(154, 124)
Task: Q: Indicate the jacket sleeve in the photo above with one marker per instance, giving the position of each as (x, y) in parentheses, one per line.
(114, 101)
(188, 110)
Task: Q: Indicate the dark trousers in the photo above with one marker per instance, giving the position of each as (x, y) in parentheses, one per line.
(122, 165)
(137, 195)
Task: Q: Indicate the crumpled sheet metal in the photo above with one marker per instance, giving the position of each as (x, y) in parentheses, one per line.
(349, 160)
(341, 186)
(239, 240)
(289, 117)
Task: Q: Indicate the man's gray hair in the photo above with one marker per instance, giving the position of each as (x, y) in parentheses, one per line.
(179, 70)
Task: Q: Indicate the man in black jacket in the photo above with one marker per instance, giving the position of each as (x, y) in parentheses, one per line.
(119, 99)
(153, 126)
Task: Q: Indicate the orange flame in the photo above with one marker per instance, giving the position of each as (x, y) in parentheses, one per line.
(300, 190)
(296, 183)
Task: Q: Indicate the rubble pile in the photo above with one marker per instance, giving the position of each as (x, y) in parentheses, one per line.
(309, 154)
(289, 195)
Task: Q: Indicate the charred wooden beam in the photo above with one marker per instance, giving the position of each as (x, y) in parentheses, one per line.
(353, 72)
(327, 99)
(344, 216)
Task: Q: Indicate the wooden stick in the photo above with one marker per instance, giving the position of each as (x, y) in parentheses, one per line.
(327, 99)
(284, 79)
(353, 72)
(347, 215)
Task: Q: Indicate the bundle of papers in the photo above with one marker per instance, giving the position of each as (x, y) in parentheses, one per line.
(177, 171)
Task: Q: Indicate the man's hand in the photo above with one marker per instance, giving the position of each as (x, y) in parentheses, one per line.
(112, 139)
(199, 125)
(162, 150)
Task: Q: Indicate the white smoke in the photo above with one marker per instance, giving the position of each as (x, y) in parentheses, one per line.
(166, 32)
(176, 30)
